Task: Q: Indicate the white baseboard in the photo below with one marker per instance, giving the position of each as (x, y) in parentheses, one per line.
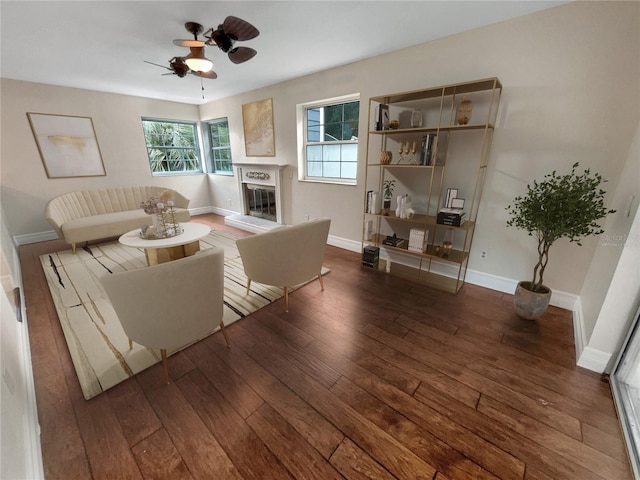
(345, 243)
(217, 210)
(593, 359)
(35, 237)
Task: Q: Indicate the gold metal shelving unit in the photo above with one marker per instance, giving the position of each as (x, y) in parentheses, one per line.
(462, 160)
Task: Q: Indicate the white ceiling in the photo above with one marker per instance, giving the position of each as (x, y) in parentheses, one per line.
(103, 45)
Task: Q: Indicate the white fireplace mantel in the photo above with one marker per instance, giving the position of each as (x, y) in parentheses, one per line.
(267, 174)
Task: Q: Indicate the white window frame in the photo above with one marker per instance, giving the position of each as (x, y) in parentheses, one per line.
(209, 147)
(301, 126)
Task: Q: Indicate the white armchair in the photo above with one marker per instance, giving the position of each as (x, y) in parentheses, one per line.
(286, 256)
(170, 305)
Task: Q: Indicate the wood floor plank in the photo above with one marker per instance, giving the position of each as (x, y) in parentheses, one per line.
(472, 446)
(159, 459)
(107, 449)
(65, 454)
(465, 353)
(521, 447)
(135, 415)
(378, 444)
(249, 455)
(428, 447)
(577, 452)
(302, 460)
(316, 429)
(354, 464)
(493, 386)
(344, 338)
(611, 445)
(565, 381)
(199, 449)
(237, 392)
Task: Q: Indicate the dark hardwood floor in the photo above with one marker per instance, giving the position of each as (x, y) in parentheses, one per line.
(373, 378)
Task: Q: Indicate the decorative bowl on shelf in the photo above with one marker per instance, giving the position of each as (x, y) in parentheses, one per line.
(394, 124)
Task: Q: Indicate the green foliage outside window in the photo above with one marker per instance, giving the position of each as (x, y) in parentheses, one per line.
(172, 147)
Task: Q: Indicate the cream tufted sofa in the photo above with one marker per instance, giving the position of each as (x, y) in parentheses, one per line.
(285, 256)
(94, 214)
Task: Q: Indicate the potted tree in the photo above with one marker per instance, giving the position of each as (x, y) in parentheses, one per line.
(560, 206)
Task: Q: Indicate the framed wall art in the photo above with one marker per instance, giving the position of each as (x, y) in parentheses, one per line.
(67, 145)
(257, 120)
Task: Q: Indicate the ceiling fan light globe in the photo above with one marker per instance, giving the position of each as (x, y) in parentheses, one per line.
(196, 60)
(199, 64)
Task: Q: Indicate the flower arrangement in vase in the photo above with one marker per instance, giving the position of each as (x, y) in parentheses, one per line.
(163, 216)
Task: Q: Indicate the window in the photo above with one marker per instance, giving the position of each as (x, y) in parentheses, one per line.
(329, 139)
(219, 147)
(172, 146)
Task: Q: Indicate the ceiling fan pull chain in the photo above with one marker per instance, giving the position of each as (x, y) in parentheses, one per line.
(202, 86)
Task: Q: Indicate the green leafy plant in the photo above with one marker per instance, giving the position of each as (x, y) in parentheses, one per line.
(559, 206)
(388, 186)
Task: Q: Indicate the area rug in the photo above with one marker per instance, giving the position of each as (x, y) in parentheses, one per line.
(98, 346)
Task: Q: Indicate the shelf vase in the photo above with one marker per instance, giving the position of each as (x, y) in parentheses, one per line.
(463, 115)
(386, 206)
(416, 119)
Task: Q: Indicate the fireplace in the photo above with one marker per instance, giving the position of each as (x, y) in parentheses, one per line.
(261, 190)
(261, 201)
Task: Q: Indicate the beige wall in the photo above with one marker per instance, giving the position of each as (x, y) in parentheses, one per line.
(116, 120)
(571, 79)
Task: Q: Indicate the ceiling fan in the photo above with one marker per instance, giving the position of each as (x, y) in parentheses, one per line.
(178, 67)
(233, 29)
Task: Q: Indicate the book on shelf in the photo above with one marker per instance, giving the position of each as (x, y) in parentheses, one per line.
(370, 256)
(451, 216)
(418, 240)
(429, 149)
(374, 201)
(368, 230)
(394, 241)
(382, 122)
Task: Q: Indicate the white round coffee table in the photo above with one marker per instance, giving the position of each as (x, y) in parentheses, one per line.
(166, 249)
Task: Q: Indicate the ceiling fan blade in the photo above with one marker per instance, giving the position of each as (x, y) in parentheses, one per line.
(210, 74)
(158, 65)
(239, 29)
(241, 54)
(188, 43)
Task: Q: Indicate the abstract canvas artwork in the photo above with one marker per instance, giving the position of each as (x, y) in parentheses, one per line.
(67, 145)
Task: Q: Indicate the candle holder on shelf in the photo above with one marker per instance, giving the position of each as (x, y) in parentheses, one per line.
(447, 244)
(407, 154)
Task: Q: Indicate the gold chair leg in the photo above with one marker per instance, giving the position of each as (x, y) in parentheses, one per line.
(165, 365)
(286, 299)
(248, 286)
(321, 282)
(224, 332)
(130, 344)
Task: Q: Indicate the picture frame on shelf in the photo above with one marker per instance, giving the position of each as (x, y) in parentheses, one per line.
(457, 203)
(451, 194)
